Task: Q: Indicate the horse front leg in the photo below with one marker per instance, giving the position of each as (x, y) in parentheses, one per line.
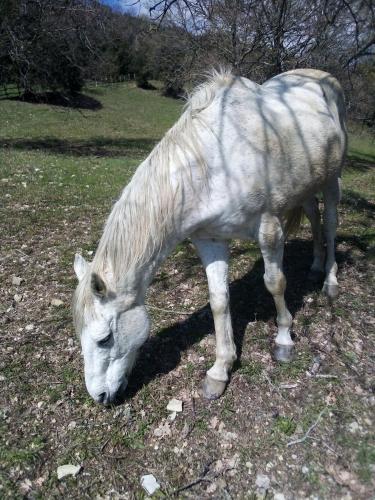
(215, 255)
(271, 242)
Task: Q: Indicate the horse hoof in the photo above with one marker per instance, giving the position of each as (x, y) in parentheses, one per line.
(213, 389)
(331, 291)
(283, 353)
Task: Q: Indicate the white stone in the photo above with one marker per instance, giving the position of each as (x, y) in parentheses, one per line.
(16, 280)
(174, 405)
(29, 327)
(305, 470)
(149, 484)
(262, 481)
(353, 427)
(279, 496)
(172, 416)
(17, 298)
(68, 470)
(57, 303)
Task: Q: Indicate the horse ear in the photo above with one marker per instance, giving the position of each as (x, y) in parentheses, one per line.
(98, 287)
(80, 266)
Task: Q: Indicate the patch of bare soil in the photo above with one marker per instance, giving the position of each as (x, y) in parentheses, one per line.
(300, 430)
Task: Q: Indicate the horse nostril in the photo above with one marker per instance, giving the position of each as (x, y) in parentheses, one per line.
(102, 397)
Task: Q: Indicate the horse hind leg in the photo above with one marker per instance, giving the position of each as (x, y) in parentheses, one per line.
(331, 197)
(311, 209)
(271, 242)
(215, 256)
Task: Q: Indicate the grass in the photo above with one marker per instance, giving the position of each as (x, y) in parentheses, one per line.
(60, 171)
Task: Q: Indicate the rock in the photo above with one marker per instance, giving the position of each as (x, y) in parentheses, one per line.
(305, 470)
(279, 496)
(57, 303)
(17, 298)
(163, 430)
(29, 328)
(68, 470)
(174, 405)
(172, 416)
(16, 280)
(149, 484)
(353, 427)
(2, 378)
(262, 482)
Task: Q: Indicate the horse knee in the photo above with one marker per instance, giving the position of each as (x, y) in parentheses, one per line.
(219, 302)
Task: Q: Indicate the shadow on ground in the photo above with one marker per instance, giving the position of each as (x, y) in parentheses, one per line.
(74, 101)
(249, 301)
(95, 146)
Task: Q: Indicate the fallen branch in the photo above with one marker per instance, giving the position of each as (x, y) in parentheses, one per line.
(309, 430)
(200, 479)
(193, 483)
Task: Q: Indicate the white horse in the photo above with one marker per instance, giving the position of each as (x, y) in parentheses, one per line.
(239, 163)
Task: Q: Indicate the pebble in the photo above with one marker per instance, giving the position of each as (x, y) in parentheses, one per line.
(57, 303)
(16, 280)
(174, 405)
(29, 327)
(17, 298)
(279, 496)
(353, 427)
(68, 470)
(305, 470)
(149, 484)
(262, 481)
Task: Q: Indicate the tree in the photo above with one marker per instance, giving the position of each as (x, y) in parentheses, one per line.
(47, 43)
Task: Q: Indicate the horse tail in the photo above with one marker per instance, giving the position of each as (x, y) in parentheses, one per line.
(293, 220)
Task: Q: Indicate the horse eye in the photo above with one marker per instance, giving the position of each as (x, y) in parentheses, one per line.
(106, 340)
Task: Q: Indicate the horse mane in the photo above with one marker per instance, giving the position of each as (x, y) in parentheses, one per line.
(146, 211)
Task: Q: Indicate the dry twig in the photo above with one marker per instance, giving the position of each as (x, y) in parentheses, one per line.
(309, 430)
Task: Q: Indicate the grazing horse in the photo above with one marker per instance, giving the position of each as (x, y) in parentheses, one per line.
(241, 162)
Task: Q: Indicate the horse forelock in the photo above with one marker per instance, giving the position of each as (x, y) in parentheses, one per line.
(82, 303)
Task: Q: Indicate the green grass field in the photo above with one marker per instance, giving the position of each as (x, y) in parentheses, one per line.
(60, 171)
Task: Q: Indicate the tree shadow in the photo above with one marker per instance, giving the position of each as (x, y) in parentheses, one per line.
(249, 300)
(356, 201)
(358, 160)
(74, 101)
(95, 146)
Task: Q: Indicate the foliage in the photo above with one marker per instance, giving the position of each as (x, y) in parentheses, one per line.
(58, 44)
